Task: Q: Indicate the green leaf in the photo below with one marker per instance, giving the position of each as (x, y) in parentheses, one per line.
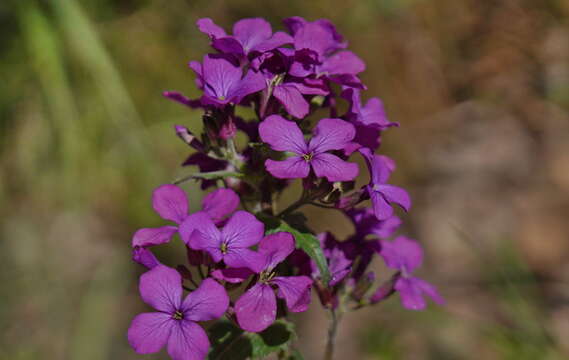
(229, 342)
(308, 243)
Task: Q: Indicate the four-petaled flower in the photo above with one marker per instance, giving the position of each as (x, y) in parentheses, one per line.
(257, 308)
(381, 193)
(406, 255)
(329, 134)
(174, 323)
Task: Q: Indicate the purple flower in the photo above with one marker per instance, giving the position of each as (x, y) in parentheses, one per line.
(144, 257)
(338, 264)
(319, 36)
(366, 223)
(381, 193)
(369, 119)
(329, 134)
(230, 244)
(174, 323)
(256, 309)
(171, 203)
(249, 36)
(405, 255)
(223, 82)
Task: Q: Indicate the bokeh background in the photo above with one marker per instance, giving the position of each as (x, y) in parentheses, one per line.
(480, 87)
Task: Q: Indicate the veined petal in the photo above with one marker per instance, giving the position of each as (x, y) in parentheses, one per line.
(278, 39)
(331, 134)
(251, 32)
(251, 83)
(282, 135)
(149, 332)
(170, 202)
(381, 208)
(228, 45)
(243, 257)
(334, 168)
(242, 230)
(295, 290)
(161, 288)
(220, 203)
(292, 100)
(153, 236)
(208, 27)
(395, 194)
(343, 62)
(292, 168)
(188, 341)
(144, 257)
(276, 247)
(220, 76)
(207, 302)
(257, 308)
(232, 275)
(201, 220)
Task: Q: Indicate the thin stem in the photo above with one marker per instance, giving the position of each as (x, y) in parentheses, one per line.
(332, 330)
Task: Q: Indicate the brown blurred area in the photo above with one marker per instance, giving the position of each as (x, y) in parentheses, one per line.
(480, 88)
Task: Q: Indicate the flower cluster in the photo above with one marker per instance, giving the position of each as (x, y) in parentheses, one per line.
(253, 266)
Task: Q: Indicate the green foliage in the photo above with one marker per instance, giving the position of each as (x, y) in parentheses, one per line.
(230, 342)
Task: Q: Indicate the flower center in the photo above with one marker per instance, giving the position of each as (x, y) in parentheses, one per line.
(307, 157)
(267, 276)
(221, 97)
(178, 315)
(223, 248)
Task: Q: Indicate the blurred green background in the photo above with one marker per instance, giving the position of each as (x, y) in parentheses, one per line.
(480, 87)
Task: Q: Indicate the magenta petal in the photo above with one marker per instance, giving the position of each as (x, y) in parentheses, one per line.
(331, 134)
(295, 290)
(334, 168)
(402, 253)
(204, 236)
(242, 230)
(220, 203)
(430, 290)
(228, 45)
(411, 291)
(242, 257)
(149, 332)
(292, 100)
(278, 39)
(343, 62)
(282, 135)
(251, 83)
(381, 207)
(251, 32)
(276, 247)
(144, 257)
(395, 194)
(208, 27)
(200, 220)
(257, 308)
(161, 288)
(170, 202)
(221, 76)
(232, 275)
(292, 168)
(188, 341)
(208, 302)
(153, 236)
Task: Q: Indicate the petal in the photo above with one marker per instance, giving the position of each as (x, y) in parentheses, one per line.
(161, 288)
(292, 168)
(278, 39)
(188, 341)
(220, 203)
(411, 292)
(228, 45)
(314, 37)
(373, 113)
(149, 332)
(241, 257)
(292, 100)
(331, 134)
(181, 99)
(380, 167)
(170, 202)
(282, 135)
(334, 168)
(208, 302)
(232, 275)
(257, 308)
(242, 230)
(251, 32)
(153, 236)
(208, 27)
(381, 207)
(430, 290)
(220, 76)
(251, 83)
(200, 220)
(403, 253)
(144, 257)
(295, 290)
(276, 247)
(343, 62)
(395, 194)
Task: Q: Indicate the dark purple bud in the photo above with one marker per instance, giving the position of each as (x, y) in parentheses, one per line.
(385, 290)
(228, 130)
(189, 138)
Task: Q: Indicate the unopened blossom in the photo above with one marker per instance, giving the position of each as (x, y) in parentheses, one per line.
(144, 257)
(256, 309)
(381, 193)
(171, 203)
(173, 325)
(253, 35)
(405, 255)
(231, 244)
(329, 134)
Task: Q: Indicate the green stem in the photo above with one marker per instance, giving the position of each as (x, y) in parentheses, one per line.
(332, 331)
